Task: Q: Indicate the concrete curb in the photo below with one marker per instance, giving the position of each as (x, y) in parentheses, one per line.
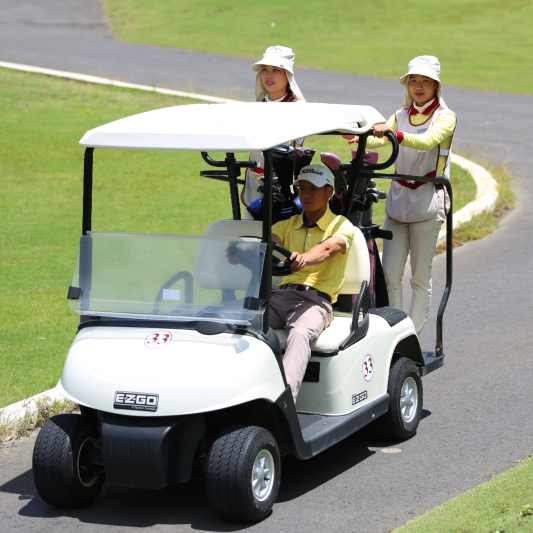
(486, 197)
(17, 411)
(107, 81)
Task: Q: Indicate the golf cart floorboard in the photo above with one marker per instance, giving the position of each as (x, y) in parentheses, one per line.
(308, 420)
(322, 431)
(432, 362)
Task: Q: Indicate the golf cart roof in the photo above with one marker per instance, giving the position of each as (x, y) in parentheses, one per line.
(229, 127)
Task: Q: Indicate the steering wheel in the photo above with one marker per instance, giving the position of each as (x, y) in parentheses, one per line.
(281, 268)
(247, 260)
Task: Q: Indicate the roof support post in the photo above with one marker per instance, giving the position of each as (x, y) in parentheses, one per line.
(233, 173)
(265, 289)
(86, 245)
(355, 168)
(87, 190)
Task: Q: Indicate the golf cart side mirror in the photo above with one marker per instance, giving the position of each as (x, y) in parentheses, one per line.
(74, 293)
(360, 319)
(392, 158)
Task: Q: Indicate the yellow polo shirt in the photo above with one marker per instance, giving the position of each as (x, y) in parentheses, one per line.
(297, 237)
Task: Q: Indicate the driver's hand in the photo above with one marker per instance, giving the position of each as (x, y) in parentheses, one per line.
(381, 129)
(232, 260)
(298, 261)
(351, 138)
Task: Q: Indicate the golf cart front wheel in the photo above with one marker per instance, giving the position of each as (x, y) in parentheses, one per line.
(62, 469)
(243, 474)
(405, 402)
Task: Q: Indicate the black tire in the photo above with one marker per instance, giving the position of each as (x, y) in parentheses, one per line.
(59, 454)
(230, 474)
(402, 419)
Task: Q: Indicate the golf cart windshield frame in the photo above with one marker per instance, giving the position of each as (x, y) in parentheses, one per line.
(357, 170)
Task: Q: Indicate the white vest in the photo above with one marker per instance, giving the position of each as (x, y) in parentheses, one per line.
(416, 205)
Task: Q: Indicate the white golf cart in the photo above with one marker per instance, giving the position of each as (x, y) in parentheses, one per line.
(174, 365)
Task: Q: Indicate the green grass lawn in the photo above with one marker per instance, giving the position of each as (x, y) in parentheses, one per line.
(41, 166)
(502, 505)
(482, 44)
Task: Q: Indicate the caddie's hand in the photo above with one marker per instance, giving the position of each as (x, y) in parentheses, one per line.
(232, 259)
(298, 261)
(381, 129)
(351, 138)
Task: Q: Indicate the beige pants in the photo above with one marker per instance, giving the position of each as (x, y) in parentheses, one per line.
(419, 240)
(304, 315)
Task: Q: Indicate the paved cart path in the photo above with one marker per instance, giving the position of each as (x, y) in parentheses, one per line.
(476, 407)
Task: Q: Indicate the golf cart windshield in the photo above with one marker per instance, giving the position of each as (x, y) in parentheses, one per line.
(168, 277)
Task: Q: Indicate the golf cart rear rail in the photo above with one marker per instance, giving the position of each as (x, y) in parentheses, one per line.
(357, 172)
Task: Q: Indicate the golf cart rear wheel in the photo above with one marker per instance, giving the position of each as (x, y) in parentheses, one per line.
(243, 474)
(405, 403)
(61, 462)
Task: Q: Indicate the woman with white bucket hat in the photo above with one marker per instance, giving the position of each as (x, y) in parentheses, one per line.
(274, 82)
(415, 210)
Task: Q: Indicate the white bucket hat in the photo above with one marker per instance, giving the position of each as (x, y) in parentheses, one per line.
(276, 56)
(428, 66)
(318, 175)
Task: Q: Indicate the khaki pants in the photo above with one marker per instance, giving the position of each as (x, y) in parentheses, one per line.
(304, 315)
(419, 240)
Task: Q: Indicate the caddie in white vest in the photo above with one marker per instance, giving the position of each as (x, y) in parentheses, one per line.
(415, 210)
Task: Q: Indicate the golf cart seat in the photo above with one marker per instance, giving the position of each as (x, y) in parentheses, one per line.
(357, 271)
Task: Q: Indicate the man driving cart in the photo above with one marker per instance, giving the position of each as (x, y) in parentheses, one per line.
(319, 241)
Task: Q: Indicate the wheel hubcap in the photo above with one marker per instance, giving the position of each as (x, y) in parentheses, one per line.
(263, 475)
(84, 475)
(409, 399)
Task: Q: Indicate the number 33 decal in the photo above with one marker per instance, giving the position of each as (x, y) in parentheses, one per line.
(368, 368)
(157, 339)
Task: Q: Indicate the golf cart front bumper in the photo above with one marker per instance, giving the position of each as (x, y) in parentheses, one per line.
(149, 453)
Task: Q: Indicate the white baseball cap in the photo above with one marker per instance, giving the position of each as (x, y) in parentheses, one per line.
(318, 175)
(428, 66)
(276, 56)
